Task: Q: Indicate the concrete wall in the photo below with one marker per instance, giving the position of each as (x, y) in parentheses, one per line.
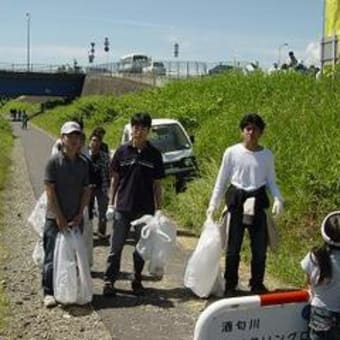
(106, 84)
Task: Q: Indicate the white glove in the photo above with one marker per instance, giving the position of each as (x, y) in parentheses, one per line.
(110, 213)
(158, 213)
(210, 213)
(277, 207)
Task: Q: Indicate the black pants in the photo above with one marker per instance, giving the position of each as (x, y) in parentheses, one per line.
(121, 227)
(102, 201)
(49, 238)
(258, 243)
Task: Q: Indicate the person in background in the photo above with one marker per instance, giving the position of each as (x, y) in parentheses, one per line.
(100, 131)
(24, 120)
(292, 61)
(247, 170)
(322, 268)
(137, 169)
(67, 188)
(100, 181)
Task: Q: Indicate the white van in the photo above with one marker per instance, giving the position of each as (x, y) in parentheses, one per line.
(133, 63)
(171, 139)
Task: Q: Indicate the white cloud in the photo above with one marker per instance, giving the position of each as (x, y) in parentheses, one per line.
(312, 53)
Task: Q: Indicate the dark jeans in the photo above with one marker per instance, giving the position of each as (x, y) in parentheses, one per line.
(102, 201)
(258, 243)
(49, 237)
(121, 227)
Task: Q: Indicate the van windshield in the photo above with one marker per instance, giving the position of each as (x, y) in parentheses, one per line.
(169, 137)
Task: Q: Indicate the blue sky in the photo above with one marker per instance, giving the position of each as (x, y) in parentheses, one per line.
(215, 30)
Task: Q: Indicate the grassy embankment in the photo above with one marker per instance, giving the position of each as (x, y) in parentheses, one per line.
(6, 142)
(302, 118)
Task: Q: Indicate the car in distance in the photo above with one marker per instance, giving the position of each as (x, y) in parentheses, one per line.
(133, 63)
(220, 69)
(156, 67)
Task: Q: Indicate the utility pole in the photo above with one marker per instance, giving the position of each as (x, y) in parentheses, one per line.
(28, 17)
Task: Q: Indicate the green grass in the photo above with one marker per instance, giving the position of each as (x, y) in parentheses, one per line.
(6, 142)
(302, 117)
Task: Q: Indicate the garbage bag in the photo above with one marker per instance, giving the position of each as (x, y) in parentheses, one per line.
(38, 253)
(38, 215)
(84, 280)
(65, 269)
(71, 275)
(144, 245)
(164, 245)
(203, 268)
(157, 241)
(88, 236)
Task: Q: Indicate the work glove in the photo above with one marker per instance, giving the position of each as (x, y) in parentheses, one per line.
(277, 207)
(110, 213)
(210, 213)
(158, 213)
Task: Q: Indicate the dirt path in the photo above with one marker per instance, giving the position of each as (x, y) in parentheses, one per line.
(28, 318)
(168, 311)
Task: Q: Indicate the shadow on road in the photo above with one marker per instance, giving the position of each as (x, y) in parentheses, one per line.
(153, 297)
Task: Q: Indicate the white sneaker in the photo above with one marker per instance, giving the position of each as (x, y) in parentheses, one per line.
(49, 301)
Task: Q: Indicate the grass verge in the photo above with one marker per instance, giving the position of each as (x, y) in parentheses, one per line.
(6, 143)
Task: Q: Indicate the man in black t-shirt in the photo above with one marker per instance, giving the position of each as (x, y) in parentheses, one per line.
(137, 169)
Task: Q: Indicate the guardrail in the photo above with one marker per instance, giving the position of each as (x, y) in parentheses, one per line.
(173, 70)
(40, 68)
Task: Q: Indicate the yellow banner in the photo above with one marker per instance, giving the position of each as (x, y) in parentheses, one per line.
(332, 17)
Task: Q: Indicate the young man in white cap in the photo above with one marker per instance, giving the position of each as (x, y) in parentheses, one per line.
(67, 187)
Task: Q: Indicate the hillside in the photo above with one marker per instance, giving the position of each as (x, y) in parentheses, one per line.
(302, 118)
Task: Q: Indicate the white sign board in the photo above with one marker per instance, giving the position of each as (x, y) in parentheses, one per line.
(238, 321)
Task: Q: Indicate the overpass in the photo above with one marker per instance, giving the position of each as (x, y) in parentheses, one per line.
(61, 84)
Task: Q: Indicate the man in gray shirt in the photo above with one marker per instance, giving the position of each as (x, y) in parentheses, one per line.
(67, 188)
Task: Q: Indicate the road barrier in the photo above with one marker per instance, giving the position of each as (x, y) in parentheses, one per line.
(282, 316)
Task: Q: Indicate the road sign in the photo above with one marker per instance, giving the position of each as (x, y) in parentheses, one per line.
(260, 317)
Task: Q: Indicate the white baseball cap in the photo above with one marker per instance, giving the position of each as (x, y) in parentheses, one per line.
(70, 127)
(324, 235)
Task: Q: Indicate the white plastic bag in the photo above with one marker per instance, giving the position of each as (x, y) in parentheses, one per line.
(144, 245)
(88, 236)
(84, 280)
(203, 268)
(163, 246)
(38, 253)
(65, 269)
(157, 241)
(38, 215)
(71, 275)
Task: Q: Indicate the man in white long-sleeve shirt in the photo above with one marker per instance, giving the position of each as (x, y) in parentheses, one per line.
(246, 172)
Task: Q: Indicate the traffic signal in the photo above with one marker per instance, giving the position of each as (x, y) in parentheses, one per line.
(106, 45)
(176, 48)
